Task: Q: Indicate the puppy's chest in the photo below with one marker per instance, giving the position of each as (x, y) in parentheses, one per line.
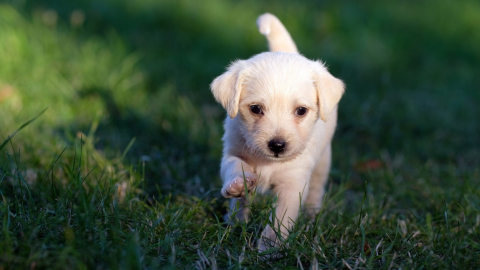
(271, 174)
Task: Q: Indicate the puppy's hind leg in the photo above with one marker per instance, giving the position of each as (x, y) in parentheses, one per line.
(317, 182)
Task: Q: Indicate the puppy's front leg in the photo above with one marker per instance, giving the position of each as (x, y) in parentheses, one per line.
(233, 170)
(291, 192)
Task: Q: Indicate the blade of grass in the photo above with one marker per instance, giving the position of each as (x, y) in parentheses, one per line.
(53, 164)
(127, 149)
(21, 127)
(245, 184)
(3, 177)
(21, 178)
(361, 206)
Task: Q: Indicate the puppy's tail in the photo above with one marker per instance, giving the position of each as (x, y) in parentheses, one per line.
(279, 40)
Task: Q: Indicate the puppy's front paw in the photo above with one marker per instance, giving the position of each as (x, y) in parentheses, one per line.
(236, 188)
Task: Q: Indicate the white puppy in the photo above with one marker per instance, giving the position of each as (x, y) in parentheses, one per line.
(282, 112)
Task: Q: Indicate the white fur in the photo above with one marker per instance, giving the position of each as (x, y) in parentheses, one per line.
(280, 82)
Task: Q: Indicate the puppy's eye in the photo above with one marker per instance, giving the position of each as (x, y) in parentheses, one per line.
(301, 111)
(256, 109)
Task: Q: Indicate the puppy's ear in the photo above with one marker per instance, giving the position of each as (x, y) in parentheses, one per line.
(329, 89)
(227, 87)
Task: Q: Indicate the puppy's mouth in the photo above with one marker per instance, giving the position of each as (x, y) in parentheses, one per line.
(284, 156)
(279, 156)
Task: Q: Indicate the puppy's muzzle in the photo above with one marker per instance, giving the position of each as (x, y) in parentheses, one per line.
(277, 146)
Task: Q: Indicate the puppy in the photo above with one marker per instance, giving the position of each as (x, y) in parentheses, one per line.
(282, 113)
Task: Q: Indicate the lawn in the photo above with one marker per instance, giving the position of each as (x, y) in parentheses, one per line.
(118, 168)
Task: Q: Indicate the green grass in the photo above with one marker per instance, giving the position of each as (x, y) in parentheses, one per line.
(121, 170)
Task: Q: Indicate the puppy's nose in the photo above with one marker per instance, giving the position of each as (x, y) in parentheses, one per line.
(277, 146)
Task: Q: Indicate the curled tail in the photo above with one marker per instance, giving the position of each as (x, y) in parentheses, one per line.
(279, 40)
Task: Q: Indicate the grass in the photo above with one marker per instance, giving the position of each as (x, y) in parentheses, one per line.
(121, 170)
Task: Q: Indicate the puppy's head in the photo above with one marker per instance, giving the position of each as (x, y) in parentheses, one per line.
(278, 97)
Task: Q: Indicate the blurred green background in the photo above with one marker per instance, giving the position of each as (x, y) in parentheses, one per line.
(113, 71)
(142, 69)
